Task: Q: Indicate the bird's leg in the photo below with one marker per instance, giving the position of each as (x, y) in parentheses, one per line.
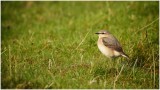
(116, 64)
(111, 63)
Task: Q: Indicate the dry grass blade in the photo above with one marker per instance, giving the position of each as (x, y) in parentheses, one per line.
(114, 86)
(9, 58)
(49, 64)
(83, 39)
(134, 65)
(147, 25)
(154, 74)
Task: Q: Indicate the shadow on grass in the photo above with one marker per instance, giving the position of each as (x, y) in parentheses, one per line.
(10, 83)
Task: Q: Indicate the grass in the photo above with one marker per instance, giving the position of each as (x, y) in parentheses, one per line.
(53, 45)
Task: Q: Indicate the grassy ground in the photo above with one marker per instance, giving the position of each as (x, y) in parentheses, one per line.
(53, 45)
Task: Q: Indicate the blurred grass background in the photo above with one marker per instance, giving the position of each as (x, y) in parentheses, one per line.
(53, 45)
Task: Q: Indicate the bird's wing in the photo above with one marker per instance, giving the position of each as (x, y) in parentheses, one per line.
(112, 43)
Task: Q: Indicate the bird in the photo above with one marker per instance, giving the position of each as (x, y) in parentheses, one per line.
(109, 45)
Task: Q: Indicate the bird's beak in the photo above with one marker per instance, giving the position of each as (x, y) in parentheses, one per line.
(97, 33)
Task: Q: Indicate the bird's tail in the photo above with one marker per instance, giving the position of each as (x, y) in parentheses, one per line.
(125, 55)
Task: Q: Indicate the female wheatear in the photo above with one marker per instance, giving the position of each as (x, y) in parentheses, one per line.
(109, 45)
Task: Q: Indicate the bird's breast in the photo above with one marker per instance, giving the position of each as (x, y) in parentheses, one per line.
(105, 50)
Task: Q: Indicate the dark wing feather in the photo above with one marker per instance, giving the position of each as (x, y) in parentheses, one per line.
(112, 43)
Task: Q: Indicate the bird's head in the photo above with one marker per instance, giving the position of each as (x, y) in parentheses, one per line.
(103, 33)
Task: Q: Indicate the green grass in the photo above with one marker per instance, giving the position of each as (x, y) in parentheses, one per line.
(53, 45)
